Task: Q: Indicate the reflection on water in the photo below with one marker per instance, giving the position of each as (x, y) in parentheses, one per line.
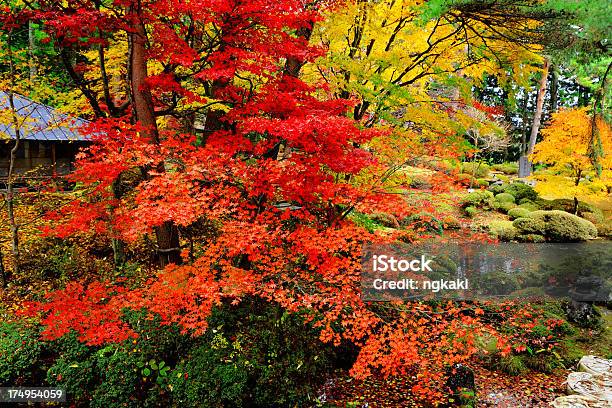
(581, 271)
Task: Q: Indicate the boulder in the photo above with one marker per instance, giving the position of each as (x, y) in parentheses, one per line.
(595, 365)
(598, 386)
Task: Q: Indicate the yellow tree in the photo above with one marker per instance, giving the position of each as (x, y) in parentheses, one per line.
(565, 145)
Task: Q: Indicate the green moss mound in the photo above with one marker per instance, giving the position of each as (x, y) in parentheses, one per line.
(505, 198)
(518, 190)
(506, 168)
(479, 199)
(478, 170)
(528, 225)
(518, 212)
(503, 230)
(556, 226)
(529, 206)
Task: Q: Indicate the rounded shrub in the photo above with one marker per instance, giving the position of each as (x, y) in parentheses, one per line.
(529, 225)
(529, 206)
(482, 182)
(562, 226)
(503, 230)
(478, 170)
(20, 352)
(504, 206)
(479, 198)
(518, 190)
(506, 168)
(518, 212)
(504, 198)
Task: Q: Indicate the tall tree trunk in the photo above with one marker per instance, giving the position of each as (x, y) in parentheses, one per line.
(554, 88)
(167, 234)
(595, 150)
(32, 52)
(535, 126)
(3, 276)
(10, 182)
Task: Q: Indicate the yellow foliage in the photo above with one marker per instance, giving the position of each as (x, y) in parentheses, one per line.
(566, 143)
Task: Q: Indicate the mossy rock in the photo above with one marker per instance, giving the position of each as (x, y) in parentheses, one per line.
(532, 238)
(479, 198)
(384, 219)
(529, 225)
(450, 222)
(557, 226)
(505, 198)
(424, 222)
(503, 230)
(518, 212)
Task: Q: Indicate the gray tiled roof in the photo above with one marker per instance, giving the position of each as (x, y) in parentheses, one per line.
(40, 122)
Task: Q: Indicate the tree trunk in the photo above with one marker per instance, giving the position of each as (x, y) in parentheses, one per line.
(554, 89)
(167, 234)
(595, 150)
(32, 52)
(535, 126)
(3, 276)
(10, 180)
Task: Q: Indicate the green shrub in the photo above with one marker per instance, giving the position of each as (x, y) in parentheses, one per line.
(479, 198)
(595, 218)
(556, 226)
(259, 356)
(504, 198)
(503, 230)
(568, 205)
(74, 370)
(364, 221)
(518, 190)
(529, 206)
(482, 182)
(529, 225)
(20, 352)
(506, 168)
(478, 170)
(504, 207)
(518, 212)
(467, 179)
(565, 227)
(471, 211)
(212, 375)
